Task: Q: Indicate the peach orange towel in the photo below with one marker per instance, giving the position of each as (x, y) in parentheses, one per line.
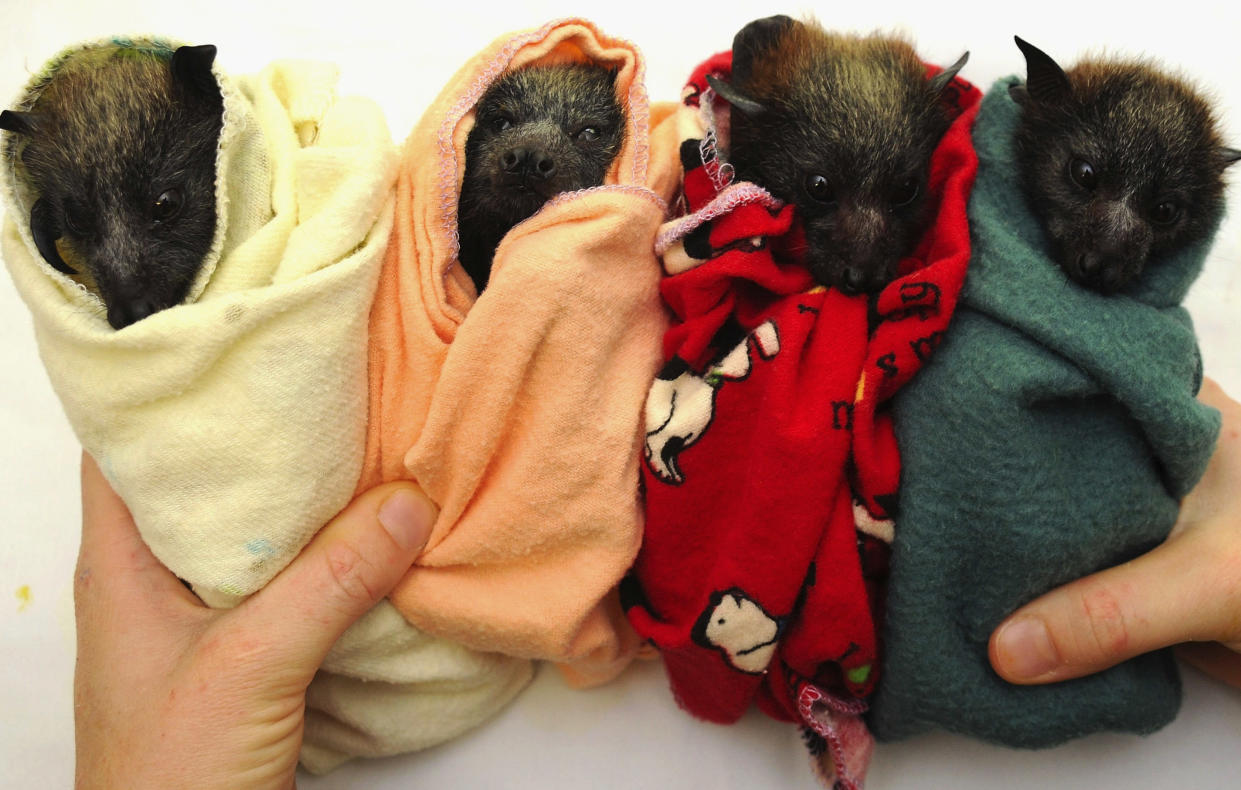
(519, 412)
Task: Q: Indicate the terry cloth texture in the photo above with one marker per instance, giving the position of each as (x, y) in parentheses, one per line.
(519, 412)
(228, 469)
(769, 449)
(387, 688)
(1052, 436)
(233, 426)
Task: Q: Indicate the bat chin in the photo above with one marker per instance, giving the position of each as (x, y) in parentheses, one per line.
(521, 200)
(527, 208)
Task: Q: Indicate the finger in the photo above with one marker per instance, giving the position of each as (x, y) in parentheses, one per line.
(1162, 598)
(349, 567)
(113, 561)
(1214, 659)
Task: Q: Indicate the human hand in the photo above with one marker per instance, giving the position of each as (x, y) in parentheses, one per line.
(169, 693)
(1186, 590)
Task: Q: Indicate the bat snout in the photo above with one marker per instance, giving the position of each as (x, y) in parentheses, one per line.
(527, 163)
(123, 312)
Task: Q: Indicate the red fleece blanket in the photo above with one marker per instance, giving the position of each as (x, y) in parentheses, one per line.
(770, 454)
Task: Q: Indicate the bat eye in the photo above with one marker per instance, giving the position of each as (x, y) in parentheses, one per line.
(502, 124)
(166, 206)
(1082, 173)
(819, 189)
(587, 134)
(905, 194)
(1166, 213)
(77, 220)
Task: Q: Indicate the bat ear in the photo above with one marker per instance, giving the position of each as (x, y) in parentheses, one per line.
(191, 68)
(19, 122)
(755, 39)
(1226, 156)
(941, 80)
(1046, 82)
(736, 98)
(46, 230)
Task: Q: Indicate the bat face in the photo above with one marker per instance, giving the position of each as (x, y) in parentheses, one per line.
(1120, 161)
(538, 131)
(122, 155)
(843, 127)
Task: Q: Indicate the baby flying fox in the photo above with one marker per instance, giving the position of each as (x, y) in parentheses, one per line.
(1121, 162)
(121, 148)
(843, 127)
(538, 131)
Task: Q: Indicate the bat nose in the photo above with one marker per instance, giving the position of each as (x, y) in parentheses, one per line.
(1088, 263)
(543, 165)
(123, 312)
(528, 161)
(853, 281)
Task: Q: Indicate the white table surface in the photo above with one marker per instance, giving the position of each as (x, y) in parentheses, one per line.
(628, 734)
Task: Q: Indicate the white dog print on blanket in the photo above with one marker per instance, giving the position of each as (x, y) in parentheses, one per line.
(737, 626)
(679, 410)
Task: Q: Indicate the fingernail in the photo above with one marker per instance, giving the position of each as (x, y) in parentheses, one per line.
(1025, 649)
(407, 517)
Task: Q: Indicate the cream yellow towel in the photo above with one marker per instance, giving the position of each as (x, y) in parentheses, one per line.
(387, 688)
(234, 425)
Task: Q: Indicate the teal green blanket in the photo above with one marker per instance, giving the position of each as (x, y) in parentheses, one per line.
(1052, 435)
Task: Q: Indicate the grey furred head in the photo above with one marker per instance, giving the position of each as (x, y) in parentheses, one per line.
(1121, 162)
(539, 130)
(843, 127)
(121, 153)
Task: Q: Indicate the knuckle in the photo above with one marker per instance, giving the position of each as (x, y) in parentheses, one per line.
(351, 573)
(1106, 631)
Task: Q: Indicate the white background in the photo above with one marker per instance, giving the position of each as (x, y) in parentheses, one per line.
(629, 734)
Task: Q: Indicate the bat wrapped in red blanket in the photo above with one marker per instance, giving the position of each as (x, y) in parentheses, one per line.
(771, 463)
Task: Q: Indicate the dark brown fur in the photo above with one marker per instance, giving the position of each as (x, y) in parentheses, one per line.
(1121, 161)
(843, 127)
(121, 152)
(538, 131)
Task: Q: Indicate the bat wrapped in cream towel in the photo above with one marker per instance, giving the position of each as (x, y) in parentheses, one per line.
(234, 424)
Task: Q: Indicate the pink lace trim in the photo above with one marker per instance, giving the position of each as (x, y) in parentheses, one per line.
(849, 743)
(729, 199)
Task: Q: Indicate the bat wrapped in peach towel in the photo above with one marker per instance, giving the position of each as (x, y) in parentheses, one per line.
(519, 411)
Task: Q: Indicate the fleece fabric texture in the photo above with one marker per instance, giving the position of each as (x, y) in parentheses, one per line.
(1052, 436)
(519, 411)
(234, 425)
(769, 444)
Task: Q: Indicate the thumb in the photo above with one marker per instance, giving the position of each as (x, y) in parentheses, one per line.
(1159, 599)
(350, 566)
(1188, 589)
